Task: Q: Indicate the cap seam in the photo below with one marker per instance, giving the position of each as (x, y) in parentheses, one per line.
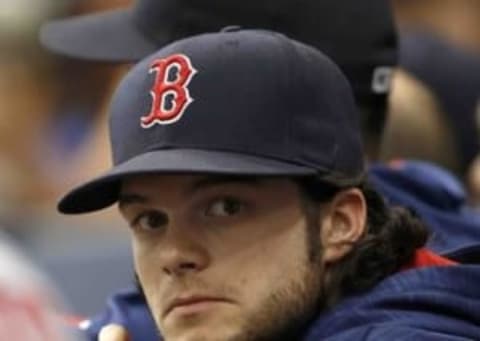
(287, 46)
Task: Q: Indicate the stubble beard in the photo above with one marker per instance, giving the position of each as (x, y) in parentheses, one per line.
(287, 313)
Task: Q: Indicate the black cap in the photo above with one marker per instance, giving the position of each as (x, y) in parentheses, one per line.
(359, 37)
(240, 103)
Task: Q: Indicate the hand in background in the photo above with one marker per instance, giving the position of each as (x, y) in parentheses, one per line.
(113, 332)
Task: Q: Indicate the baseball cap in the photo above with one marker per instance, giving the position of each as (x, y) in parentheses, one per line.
(243, 102)
(359, 37)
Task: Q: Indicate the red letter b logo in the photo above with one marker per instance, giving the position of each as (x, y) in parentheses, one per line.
(170, 98)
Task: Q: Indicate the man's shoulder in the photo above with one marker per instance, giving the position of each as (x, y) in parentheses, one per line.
(389, 332)
(436, 303)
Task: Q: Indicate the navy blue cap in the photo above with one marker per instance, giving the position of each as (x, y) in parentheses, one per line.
(248, 102)
(360, 38)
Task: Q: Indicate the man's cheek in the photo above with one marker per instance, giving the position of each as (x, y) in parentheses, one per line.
(143, 261)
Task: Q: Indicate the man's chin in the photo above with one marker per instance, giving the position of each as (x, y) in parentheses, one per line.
(210, 323)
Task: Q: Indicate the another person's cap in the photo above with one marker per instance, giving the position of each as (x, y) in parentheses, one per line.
(360, 38)
(247, 103)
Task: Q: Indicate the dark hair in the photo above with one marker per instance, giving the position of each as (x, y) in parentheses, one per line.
(392, 236)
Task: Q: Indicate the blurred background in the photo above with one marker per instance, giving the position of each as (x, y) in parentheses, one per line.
(53, 130)
(52, 136)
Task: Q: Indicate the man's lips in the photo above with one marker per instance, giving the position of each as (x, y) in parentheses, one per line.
(186, 301)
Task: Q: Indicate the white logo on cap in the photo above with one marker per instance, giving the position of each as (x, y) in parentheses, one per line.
(381, 79)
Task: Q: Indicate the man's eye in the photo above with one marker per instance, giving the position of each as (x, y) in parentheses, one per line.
(224, 207)
(152, 220)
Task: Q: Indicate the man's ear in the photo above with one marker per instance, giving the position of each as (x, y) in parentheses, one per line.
(343, 224)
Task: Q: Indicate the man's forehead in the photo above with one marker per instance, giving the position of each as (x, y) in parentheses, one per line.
(150, 187)
(161, 188)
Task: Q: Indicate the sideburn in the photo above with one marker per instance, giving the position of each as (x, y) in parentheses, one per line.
(312, 216)
(330, 292)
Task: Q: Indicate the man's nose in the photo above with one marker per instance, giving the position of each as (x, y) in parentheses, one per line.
(181, 254)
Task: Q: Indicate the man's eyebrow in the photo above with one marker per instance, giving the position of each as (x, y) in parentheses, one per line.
(125, 199)
(213, 181)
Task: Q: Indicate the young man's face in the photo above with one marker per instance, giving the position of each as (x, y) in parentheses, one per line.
(222, 259)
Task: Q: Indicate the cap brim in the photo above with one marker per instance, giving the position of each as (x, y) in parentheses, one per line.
(110, 36)
(103, 191)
